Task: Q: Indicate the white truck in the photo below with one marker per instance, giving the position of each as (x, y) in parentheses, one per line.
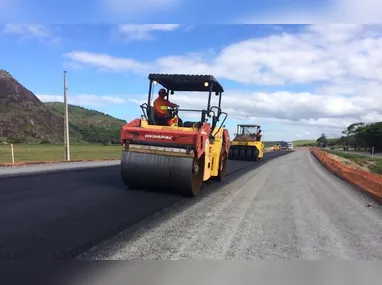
(290, 145)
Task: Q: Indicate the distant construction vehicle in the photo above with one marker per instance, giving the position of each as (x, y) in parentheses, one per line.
(281, 146)
(277, 147)
(247, 144)
(176, 158)
(284, 145)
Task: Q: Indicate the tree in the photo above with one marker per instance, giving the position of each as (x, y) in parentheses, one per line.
(350, 132)
(370, 135)
(322, 140)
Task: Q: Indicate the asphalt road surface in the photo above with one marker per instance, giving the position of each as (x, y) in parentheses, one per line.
(59, 215)
(289, 208)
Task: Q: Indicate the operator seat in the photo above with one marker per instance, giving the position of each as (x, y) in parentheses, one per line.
(150, 115)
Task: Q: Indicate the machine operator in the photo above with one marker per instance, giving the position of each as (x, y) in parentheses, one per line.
(161, 105)
(259, 135)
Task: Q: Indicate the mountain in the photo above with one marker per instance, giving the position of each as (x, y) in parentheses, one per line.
(24, 118)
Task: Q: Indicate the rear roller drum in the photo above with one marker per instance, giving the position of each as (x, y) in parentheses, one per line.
(222, 167)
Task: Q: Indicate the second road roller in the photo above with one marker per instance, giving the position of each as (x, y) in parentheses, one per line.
(176, 158)
(247, 144)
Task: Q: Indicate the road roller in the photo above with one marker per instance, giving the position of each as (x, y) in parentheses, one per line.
(176, 158)
(277, 147)
(247, 144)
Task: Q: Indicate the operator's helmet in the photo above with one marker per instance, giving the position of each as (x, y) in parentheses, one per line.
(162, 92)
(259, 130)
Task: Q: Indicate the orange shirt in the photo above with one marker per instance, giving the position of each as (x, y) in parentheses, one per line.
(161, 106)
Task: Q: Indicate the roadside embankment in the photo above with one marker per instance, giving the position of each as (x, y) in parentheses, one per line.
(369, 183)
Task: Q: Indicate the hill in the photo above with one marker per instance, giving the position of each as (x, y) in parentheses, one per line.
(89, 125)
(24, 118)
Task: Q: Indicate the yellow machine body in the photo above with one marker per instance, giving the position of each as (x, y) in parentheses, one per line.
(245, 145)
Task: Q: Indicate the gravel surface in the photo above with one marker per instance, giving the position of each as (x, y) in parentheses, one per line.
(58, 215)
(289, 208)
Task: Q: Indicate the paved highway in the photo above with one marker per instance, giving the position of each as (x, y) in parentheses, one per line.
(59, 215)
(289, 208)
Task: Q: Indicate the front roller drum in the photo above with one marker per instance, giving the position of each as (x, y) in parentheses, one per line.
(162, 173)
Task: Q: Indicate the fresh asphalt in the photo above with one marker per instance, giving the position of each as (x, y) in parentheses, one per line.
(59, 215)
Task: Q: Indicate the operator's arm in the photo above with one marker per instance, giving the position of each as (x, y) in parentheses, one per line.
(169, 104)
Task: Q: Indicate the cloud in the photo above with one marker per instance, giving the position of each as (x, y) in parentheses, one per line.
(317, 54)
(83, 99)
(143, 31)
(105, 62)
(332, 11)
(303, 110)
(28, 31)
(337, 67)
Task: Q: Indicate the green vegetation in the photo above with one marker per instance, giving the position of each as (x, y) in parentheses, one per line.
(269, 144)
(299, 143)
(373, 164)
(359, 136)
(90, 125)
(49, 152)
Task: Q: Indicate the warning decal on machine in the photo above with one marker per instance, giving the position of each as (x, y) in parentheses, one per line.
(161, 137)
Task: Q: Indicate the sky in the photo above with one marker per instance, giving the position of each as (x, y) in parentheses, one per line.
(296, 81)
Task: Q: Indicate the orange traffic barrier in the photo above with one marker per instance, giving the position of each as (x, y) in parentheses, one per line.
(368, 182)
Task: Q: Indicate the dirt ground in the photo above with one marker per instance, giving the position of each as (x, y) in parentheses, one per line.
(349, 163)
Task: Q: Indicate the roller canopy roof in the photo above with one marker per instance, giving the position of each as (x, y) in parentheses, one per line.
(249, 126)
(185, 82)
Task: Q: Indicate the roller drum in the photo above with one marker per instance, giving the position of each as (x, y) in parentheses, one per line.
(160, 173)
(245, 153)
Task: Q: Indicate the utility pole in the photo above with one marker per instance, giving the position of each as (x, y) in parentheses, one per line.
(66, 123)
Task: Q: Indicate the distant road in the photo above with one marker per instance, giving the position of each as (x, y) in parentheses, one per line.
(58, 215)
(289, 208)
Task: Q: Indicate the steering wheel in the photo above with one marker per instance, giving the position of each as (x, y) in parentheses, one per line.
(173, 111)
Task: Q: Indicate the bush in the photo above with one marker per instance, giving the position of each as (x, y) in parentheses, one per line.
(16, 140)
(45, 142)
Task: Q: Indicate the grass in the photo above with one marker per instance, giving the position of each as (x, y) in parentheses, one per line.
(46, 152)
(373, 164)
(304, 142)
(268, 144)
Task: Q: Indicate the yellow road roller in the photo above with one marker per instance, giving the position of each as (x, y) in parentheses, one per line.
(247, 144)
